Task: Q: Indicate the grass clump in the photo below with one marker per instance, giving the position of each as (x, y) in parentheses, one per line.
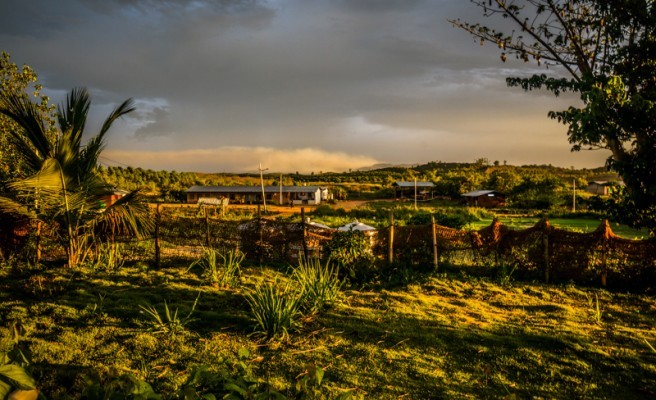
(319, 284)
(169, 322)
(220, 269)
(276, 309)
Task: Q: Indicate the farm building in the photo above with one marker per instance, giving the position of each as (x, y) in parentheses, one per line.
(598, 187)
(285, 195)
(406, 190)
(485, 198)
(110, 198)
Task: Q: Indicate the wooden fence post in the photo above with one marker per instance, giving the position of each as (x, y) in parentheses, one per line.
(158, 221)
(434, 231)
(37, 255)
(207, 228)
(607, 233)
(391, 237)
(260, 235)
(545, 243)
(304, 226)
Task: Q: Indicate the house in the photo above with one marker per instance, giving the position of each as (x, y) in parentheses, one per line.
(110, 198)
(485, 198)
(598, 187)
(406, 190)
(282, 195)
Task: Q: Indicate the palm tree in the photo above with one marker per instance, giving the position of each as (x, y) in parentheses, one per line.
(65, 188)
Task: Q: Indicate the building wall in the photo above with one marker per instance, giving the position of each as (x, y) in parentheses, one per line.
(596, 188)
(487, 201)
(298, 198)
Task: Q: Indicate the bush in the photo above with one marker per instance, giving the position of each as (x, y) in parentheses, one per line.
(351, 250)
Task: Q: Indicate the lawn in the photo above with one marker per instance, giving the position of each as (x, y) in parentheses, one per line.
(446, 335)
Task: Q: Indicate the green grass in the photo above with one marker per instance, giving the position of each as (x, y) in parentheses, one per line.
(447, 336)
(572, 224)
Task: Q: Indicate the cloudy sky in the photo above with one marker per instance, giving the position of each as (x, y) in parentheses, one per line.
(298, 85)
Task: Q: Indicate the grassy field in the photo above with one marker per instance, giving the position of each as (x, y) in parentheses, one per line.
(572, 224)
(447, 335)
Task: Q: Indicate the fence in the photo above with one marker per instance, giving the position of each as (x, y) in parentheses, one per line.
(540, 252)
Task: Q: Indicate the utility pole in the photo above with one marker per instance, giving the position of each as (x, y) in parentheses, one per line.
(262, 184)
(281, 188)
(415, 193)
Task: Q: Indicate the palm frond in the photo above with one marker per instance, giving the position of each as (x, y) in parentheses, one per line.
(128, 216)
(126, 107)
(14, 208)
(32, 142)
(72, 115)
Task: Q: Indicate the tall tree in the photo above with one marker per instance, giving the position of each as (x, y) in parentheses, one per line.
(605, 50)
(66, 188)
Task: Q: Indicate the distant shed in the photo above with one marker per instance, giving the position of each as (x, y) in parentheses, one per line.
(485, 198)
(406, 190)
(598, 187)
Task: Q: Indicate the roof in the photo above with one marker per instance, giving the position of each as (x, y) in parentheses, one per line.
(356, 226)
(479, 193)
(251, 189)
(412, 184)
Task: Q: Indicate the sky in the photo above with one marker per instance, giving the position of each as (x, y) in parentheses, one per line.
(296, 85)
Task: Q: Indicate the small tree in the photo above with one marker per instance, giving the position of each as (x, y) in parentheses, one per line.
(66, 189)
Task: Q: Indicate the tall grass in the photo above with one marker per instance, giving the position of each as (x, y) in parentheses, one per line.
(274, 308)
(319, 284)
(220, 269)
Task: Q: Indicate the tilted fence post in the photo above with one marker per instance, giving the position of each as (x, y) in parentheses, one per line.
(391, 237)
(434, 231)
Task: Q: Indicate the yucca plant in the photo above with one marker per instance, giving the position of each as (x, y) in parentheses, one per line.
(319, 284)
(274, 308)
(169, 323)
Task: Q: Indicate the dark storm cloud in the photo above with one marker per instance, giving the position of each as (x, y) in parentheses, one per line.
(357, 76)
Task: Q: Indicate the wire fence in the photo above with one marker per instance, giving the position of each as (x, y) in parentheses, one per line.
(541, 252)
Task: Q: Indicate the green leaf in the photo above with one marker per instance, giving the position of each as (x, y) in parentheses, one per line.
(318, 375)
(17, 377)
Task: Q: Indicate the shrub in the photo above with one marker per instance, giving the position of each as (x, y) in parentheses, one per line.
(351, 250)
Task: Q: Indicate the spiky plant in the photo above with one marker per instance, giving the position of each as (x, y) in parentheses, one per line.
(319, 283)
(274, 308)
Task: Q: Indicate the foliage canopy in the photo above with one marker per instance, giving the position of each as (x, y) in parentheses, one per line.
(604, 50)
